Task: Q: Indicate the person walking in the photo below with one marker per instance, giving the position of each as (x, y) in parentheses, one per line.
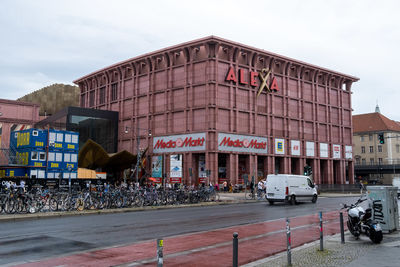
(260, 189)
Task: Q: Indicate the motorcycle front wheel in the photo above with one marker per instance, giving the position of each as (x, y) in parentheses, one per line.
(353, 231)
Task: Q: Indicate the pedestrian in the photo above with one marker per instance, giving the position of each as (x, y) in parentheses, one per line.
(225, 184)
(265, 185)
(361, 186)
(252, 187)
(260, 189)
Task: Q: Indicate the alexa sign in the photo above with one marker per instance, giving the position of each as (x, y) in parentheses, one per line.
(253, 78)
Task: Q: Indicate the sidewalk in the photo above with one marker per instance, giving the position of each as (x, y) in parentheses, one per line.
(353, 253)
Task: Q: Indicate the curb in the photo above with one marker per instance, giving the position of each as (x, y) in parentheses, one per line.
(39, 215)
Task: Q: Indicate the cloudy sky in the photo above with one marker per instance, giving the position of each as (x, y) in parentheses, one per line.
(45, 42)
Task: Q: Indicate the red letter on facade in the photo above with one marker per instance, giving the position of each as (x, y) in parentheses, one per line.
(241, 77)
(253, 81)
(274, 85)
(231, 75)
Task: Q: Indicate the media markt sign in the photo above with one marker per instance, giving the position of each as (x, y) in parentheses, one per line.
(242, 143)
(179, 143)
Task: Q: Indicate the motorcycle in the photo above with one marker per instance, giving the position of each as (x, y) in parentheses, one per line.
(360, 221)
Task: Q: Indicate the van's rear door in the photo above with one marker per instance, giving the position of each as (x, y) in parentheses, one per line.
(276, 186)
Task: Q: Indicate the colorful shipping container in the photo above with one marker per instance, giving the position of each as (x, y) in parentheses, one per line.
(45, 154)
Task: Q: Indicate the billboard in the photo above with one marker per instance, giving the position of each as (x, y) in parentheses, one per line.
(156, 166)
(279, 146)
(295, 147)
(179, 143)
(323, 150)
(242, 143)
(336, 151)
(310, 149)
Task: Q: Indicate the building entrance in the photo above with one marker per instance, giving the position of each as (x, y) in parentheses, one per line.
(336, 172)
(222, 168)
(262, 170)
(243, 168)
(324, 172)
(295, 166)
(279, 165)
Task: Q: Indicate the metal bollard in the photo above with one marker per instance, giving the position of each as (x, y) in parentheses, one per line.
(341, 228)
(235, 250)
(321, 233)
(288, 243)
(160, 256)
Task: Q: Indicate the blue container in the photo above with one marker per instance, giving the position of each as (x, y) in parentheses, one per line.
(37, 173)
(70, 175)
(54, 174)
(29, 139)
(70, 160)
(13, 172)
(56, 139)
(31, 157)
(55, 160)
(71, 141)
(13, 140)
(16, 172)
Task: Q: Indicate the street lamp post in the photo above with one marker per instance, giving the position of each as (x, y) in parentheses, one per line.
(139, 154)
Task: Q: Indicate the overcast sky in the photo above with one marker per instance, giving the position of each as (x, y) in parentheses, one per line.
(47, 42)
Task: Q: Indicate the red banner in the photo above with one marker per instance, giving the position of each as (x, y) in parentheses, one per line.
(174, 180)
(202, 180)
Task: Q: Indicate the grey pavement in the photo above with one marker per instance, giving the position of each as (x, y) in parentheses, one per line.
(353, 253)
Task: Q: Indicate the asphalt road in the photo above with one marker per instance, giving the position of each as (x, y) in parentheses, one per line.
(30, 240)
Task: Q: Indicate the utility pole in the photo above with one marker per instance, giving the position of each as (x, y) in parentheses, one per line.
(137, 150)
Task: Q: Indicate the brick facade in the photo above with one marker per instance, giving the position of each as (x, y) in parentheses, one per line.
(189, 88)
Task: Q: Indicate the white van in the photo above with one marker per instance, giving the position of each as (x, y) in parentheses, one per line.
(396, 182)
(290, 188)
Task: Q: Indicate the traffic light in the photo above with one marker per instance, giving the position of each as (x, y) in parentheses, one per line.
(381, 138)
(307, 170)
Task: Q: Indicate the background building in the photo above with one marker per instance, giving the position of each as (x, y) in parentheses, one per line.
(14, 115)
(100, 126)
(376, 160)
(223, 111)
(53, 98)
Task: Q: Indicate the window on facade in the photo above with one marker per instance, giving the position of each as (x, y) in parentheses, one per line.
(358, 161)
(114, 91)
(82, 100)
(371, 161)
(397, 148)
(380, 160)
(362, 138)
(363, 149)
(371, 149)
(102, 95)
(379, 148)
(370, 137)
(363, 162)
(91, 99)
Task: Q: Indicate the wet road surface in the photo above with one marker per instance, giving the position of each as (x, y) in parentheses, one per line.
(31, 240)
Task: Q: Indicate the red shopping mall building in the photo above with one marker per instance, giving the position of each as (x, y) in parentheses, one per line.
(224, 111)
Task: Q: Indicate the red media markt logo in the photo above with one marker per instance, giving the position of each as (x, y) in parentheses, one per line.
(253, 143)
(246, 143)
(179, 142)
